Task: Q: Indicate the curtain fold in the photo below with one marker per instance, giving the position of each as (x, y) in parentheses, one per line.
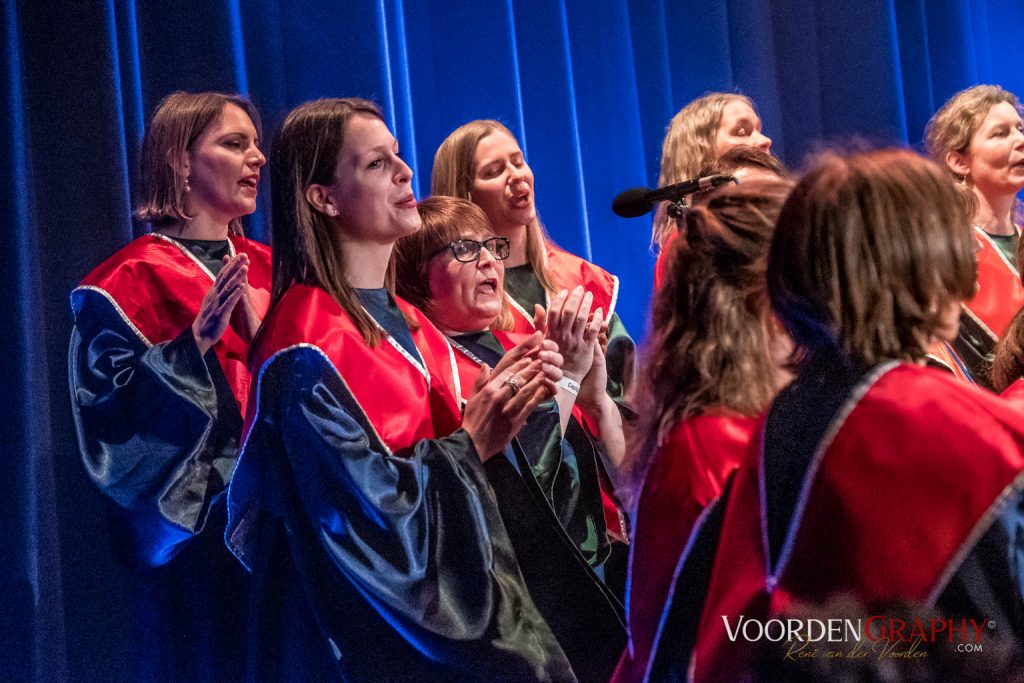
(589, 88)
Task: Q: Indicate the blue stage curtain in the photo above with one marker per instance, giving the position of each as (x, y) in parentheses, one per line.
(587, 86)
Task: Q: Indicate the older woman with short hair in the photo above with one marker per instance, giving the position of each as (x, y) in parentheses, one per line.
(549, 492)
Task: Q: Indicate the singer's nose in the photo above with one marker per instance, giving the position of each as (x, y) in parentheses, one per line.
(761, 141)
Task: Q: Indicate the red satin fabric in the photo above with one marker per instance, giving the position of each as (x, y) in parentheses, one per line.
(1014, 394)
(1000, 292)
(395, 395)
(661, 264)
(567, 272)
(158, 286)
(688, 472)
(915, 466)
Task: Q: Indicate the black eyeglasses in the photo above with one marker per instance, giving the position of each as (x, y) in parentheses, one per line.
(467, 251)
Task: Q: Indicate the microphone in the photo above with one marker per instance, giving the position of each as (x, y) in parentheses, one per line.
(639, 200)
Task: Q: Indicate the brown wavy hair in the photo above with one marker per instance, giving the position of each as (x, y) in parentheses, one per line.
(452, 176)
(175, 125)
(305, 151)
(708, 347)
(445, 219)
(869, 250)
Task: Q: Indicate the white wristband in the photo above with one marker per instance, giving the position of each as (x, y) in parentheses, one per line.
(569, 385)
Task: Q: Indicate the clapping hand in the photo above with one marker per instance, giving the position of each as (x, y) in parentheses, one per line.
(215, 311)
(504, 397)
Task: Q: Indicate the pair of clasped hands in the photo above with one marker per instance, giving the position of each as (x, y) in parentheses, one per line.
(569, 342)
(228, 295)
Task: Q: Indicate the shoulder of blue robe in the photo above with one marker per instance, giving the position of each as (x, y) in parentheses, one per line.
(156, 424)
(413, 543)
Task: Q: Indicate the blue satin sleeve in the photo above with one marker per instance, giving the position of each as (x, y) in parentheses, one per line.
(990, 582)
(402, 559)
(157, 426)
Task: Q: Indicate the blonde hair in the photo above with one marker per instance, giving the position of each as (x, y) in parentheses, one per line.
(954, 125)
(452, 176)
(689, 146)
(174, 127)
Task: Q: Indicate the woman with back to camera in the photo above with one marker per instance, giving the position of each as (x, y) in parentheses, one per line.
(873, 477)
(159, 380)
(715, 360)
(697, 135)
(548, 491)
(978, 137)
(362, 508)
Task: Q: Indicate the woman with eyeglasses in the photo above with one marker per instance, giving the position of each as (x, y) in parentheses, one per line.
(481, 161)
(548, 485)
(359, 500)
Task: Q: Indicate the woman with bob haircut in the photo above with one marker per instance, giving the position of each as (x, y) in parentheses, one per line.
(361, 507)
(714, 361)
(158, 376)
(696, 137)
(873, 476)
(548, 492)
(978, 136)
(481, 161)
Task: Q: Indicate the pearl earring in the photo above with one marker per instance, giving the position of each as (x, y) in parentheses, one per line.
(188, 188)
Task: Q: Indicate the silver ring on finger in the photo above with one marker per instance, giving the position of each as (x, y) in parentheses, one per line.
(513, 384)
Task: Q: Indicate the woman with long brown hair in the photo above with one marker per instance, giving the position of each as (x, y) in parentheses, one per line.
(712, 365)
(361, 506)
(159, 380)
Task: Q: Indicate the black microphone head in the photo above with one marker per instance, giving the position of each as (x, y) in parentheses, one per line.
(632, 203)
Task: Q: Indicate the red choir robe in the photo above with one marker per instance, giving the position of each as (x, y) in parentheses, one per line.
(377, 548)
(158, 428)
(156, 285)
(688, 472)
(1000, 292)
(987, 315)
(388, 384)
(913, 468)
(568, 272)
(661, 264)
